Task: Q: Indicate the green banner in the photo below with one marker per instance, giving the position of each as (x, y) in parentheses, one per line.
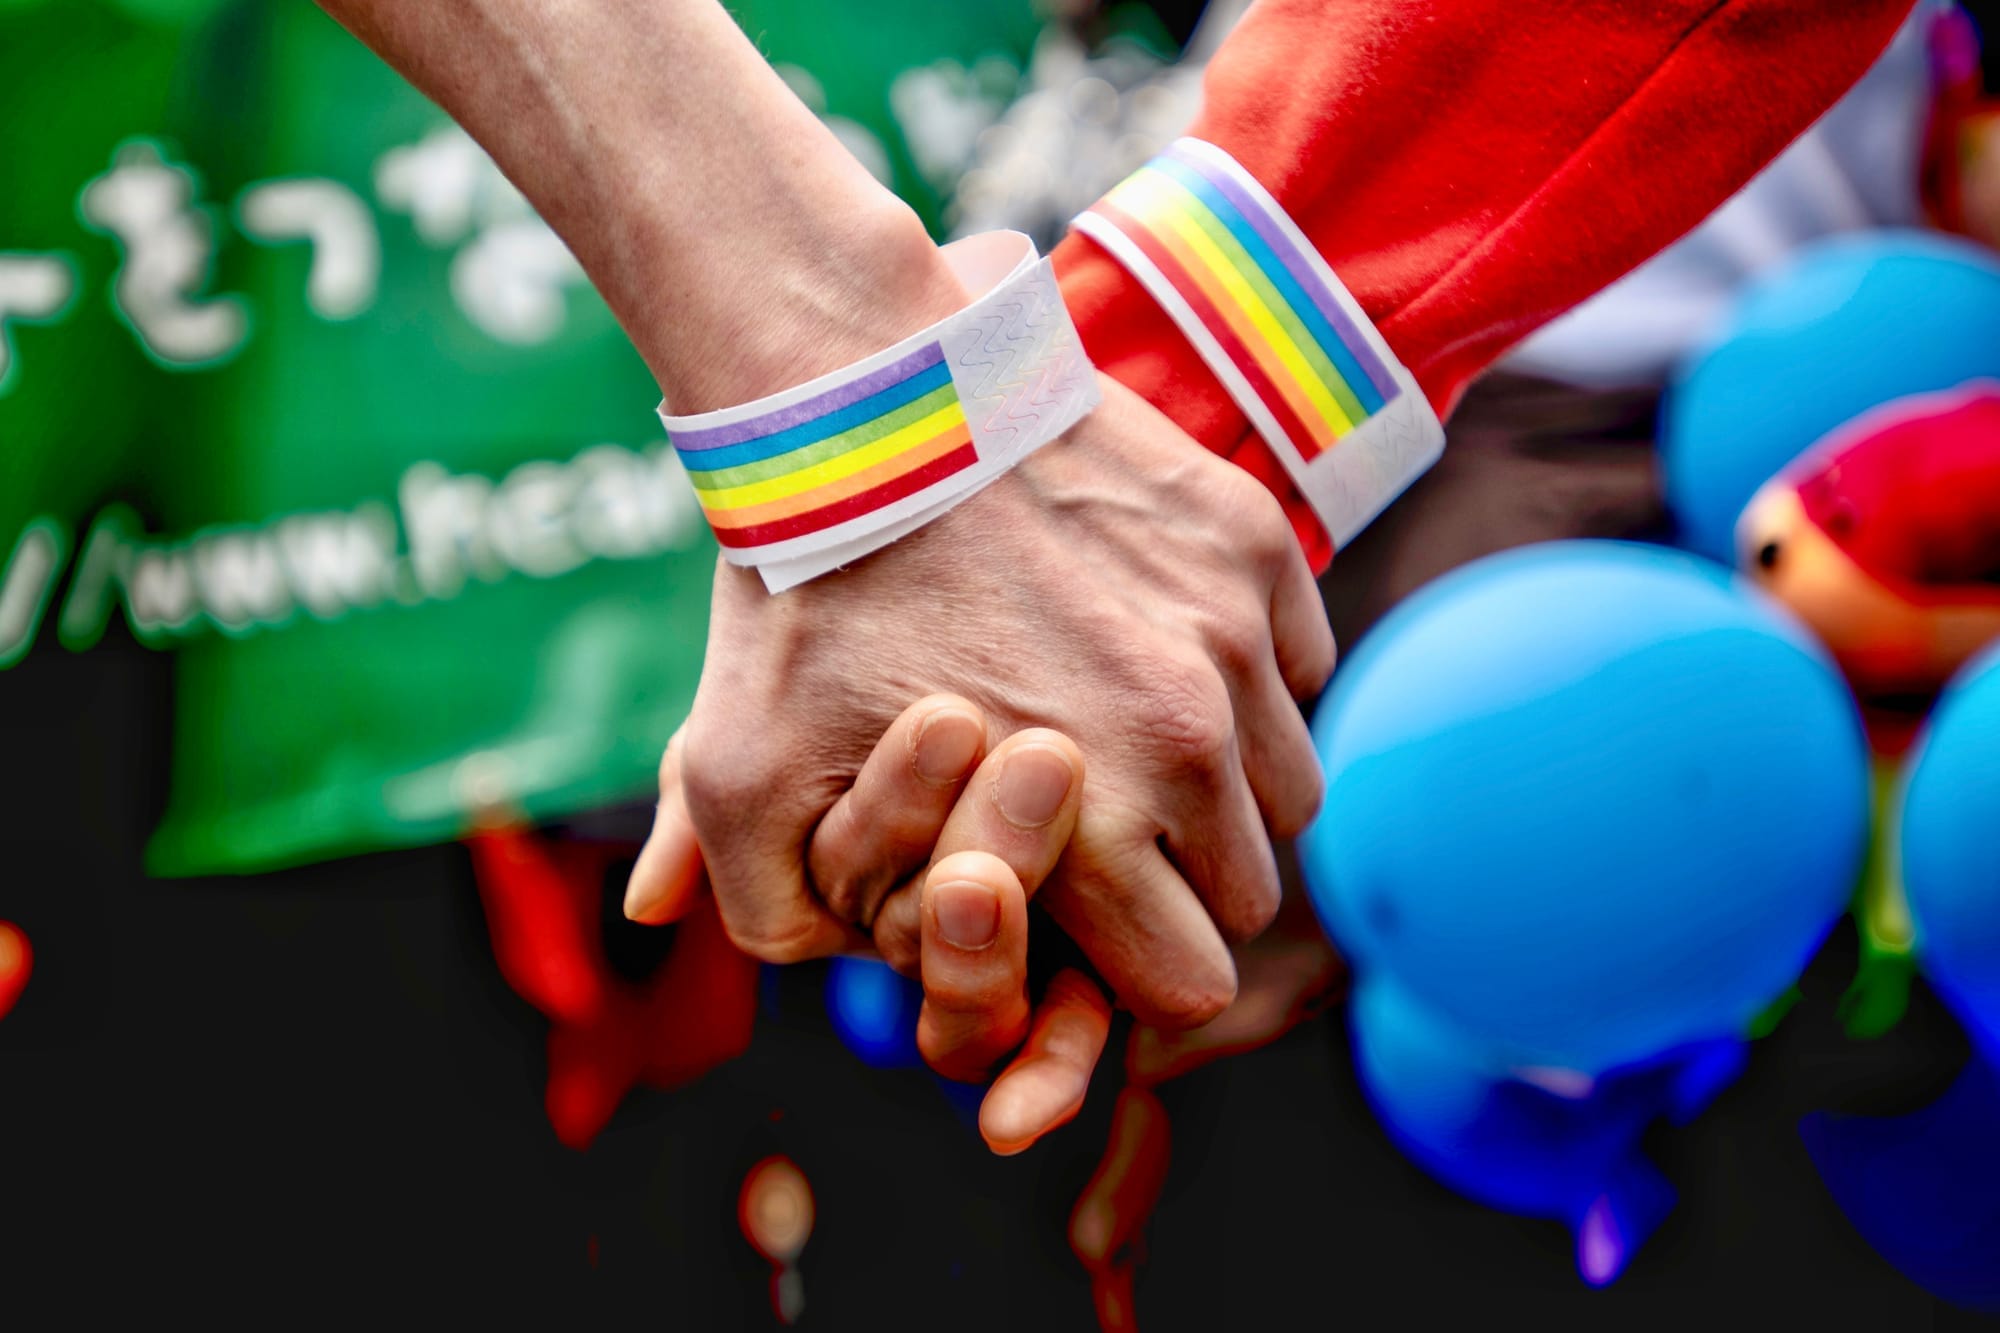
(295, 385)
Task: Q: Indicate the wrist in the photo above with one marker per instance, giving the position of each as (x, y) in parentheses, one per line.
(808, 477)
(802, 302)
(1132, 340)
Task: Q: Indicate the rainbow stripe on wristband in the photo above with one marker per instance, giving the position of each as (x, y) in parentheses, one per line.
(1254, 290)
(837, 456)
(812, 478)
(1277, 327)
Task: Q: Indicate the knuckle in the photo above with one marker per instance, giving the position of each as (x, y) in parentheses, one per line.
(1295, 816)
(855, 862)
(790, 941)
(1295, 785)
(837, 875)
(1325, 656)
(939, 1052)
(956, 1055)
(1192, 1001)
(901, 954)
(900, 949)
(720, 780)
(969, 1054)
(845, 893)
(1238, 639)
(1268, 530)
(1249, 913)
(901, 837)
(897, 933)
(1184, 710)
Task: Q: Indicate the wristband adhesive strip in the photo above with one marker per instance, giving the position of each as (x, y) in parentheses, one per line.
(1280, 331)
(807, 480)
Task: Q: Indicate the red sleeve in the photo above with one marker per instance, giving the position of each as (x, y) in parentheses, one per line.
(1473, 168)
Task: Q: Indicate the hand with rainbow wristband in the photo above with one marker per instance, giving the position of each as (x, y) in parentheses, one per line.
(1121, 586)
(1126, 588)
(1277, 328)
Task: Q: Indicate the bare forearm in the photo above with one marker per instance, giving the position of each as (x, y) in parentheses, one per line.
(740, 245)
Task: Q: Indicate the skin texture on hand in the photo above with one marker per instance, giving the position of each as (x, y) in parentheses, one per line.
(1123, 587)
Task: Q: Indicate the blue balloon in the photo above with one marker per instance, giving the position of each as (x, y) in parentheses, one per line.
(1847, 325)
(1587, 802)
(1572, 1155)
(1951, 851)
(874, 1009)
(1590, 807)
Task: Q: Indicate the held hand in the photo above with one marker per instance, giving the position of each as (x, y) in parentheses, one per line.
(972, 902)
(973, 905)
(1124, 587)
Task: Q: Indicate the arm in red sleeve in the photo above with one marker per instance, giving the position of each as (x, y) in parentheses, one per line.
(1472, 169)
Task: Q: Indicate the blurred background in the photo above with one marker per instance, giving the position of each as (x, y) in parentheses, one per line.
(350, 597)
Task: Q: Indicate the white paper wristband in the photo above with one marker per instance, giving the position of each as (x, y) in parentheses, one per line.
(1283, 335)
(804, 481)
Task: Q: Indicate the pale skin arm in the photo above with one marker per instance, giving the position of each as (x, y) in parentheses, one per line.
(741, 247)
(1123, 587)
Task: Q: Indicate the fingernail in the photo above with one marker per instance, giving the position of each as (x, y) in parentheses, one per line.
(946, 745)
(1033, 784)
(968, 914)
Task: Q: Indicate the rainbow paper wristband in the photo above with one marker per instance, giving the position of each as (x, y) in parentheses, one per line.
(807, 480)
(1280, 331)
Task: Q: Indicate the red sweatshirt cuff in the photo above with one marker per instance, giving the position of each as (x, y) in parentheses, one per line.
(1472, 169)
